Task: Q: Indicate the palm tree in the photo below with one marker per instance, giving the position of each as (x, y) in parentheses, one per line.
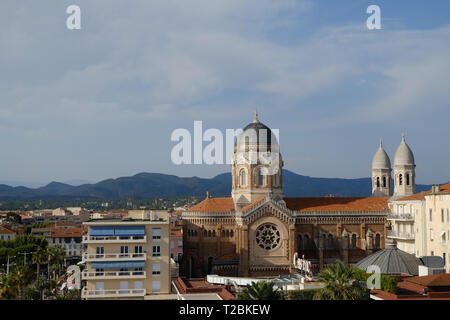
(59, 255)
(21, 277)
(263, 290)
(39, 257)
(340, 284)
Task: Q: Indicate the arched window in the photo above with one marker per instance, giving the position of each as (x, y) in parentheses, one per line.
(407, 179)
(384, 182)
(260, 178)
(306, 242)
(378, 182)
(400, 179)
(223, 233)
(299, 243)
(210, 264)
(354, 241)
(195, 233)
(214, 233)
(243, 177)
(276, 180)
(231, 233)
(227, 233)
(377, 241)
(209, 233)
(330, 241)
(205, 233)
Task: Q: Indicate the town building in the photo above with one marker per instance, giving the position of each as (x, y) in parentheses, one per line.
(6, 234)
(127, 258)
(257, 231)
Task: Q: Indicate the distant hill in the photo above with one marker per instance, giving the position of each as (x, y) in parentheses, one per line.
(149, 185)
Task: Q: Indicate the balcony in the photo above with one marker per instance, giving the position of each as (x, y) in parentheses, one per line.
(400, 235)
(112, 293)
(99, 275)
(115, 239)
(401, 217)
(114, 256)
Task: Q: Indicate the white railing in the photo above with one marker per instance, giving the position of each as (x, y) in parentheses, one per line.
(400, 235)
(114, 256)
(112, 293)
(115, 239)
(401, 216)
(92, 275)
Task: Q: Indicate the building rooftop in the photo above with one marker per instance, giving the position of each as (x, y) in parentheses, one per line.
(335, 204)
(392, 261)
(214, 205)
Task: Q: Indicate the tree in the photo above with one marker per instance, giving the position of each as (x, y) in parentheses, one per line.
(21, 277)
(263, 290)
(340, 284)
(39, 257)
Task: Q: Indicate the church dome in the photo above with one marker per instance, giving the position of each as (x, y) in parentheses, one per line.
(381, 159)
(262, 133)
(403, 155)
(392, 261)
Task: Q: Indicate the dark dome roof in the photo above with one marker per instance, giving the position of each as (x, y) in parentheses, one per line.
(392, 261)
(257, 126)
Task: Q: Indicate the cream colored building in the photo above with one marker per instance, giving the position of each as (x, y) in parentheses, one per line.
(127, 258)
(436, 224)
(406, 220)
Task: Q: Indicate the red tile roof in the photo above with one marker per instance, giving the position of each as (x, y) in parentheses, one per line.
(416, 196)
(214, 205)
(443, 188)
(332, 204)
(66, 232)
(4, 230)
(437, 280)
(251, 205)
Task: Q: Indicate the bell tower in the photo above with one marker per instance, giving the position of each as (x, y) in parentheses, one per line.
(256, 166)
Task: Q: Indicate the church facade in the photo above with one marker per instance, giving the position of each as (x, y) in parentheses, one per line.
(256, 232)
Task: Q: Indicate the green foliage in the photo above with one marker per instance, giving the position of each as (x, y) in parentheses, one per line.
(12, 216)
(307, 294)
(70, 295)
(340, 284)
(388, 284)
(18, 247)
(263, 290)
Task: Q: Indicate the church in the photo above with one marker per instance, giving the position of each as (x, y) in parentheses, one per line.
(257, 231)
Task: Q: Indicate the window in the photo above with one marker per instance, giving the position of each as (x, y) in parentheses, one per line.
(172, 244)
(260, 178)
(180, 255)
(99, 272)
(330, 241)
(400, 179)
(156, 251)
(448, 213)
(156, 269)
(442, 215)
(180, 243)
(431, 235)
(138, 286)
(243, 177)
(377, 241)
(138, 271)
(156, 234)
(99, 252)
(138, 252)
(431, 215)
(156, 286)
(378, 182)
(432, 253)
(384, 182)
(123, 251)
(354, 241)
(299, 243)
(124, 272)
(407, 179)
(444, 258)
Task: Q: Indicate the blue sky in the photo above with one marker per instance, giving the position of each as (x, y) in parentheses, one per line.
(102, 102)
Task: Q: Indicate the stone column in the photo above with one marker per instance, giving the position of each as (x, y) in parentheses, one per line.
(244, 253)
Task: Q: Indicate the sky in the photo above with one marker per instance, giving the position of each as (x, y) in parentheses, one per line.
(102, 102)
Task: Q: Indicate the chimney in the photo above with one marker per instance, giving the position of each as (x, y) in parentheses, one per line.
(208, 196)
(436, 188)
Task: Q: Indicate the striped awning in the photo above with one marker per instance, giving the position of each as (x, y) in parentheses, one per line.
(118, 265)
(130, 231)
(101, 231)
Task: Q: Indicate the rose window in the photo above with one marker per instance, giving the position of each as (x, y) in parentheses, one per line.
(267, 237)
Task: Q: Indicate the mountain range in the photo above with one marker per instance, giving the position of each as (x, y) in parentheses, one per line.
(150, 185)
